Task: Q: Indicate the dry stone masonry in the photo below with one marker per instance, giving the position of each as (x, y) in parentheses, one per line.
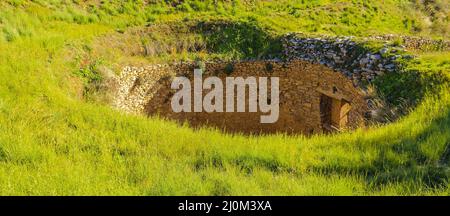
(322, 84)
(137, 86)
(416, 43)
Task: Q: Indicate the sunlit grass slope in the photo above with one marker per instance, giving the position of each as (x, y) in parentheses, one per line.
(53, 142)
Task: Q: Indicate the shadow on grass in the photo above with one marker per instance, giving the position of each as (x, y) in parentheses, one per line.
(419, 167)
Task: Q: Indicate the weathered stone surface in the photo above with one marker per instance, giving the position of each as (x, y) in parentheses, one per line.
(147, 89)
(350, 58)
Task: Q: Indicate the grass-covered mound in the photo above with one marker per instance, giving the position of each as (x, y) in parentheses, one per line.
(54, 141)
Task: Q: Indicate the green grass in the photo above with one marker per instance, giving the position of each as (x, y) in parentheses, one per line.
(54, 142)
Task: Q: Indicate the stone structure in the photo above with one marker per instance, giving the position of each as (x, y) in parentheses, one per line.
(322, 84)
(313, 97)
(342, 54)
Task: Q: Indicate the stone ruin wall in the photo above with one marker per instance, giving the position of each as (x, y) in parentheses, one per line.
(147, 89)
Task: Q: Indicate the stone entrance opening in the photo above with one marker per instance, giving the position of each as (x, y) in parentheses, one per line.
(333, 113)
(312, 98)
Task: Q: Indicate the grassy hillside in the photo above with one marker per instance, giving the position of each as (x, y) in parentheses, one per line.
(53, 141)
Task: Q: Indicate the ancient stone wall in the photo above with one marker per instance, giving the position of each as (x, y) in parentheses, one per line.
(351, 58)
(302, 84)
(342, 54)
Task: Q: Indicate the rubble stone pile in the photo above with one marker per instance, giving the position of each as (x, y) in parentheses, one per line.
(345, 55)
